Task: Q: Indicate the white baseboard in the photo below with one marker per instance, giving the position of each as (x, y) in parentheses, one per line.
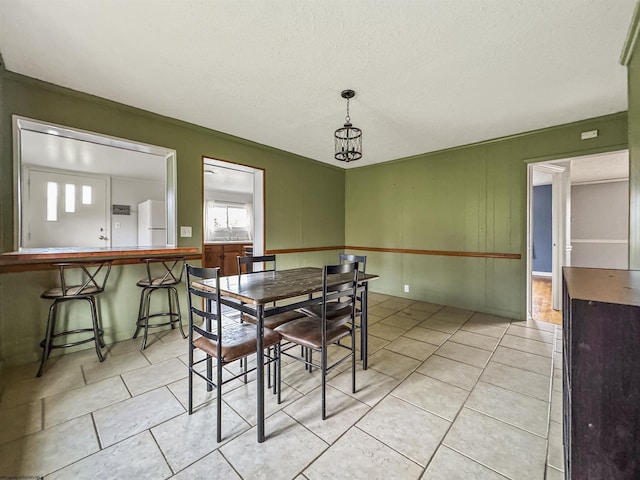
(541, 274)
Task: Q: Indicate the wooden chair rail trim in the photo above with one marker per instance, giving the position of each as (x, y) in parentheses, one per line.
(445, 253)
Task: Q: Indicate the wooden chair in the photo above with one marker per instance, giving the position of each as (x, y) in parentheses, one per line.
(335, 322)
(78, 281)
(163, 274)
(226, 343)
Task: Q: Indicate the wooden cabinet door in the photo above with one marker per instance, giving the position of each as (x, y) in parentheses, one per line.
(231, 253)
(213, 255)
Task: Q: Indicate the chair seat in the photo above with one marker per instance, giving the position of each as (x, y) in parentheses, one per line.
(307, 331)
(158, 282)
(237, 341)
(334, 315)
(274, 321)
(75, 291)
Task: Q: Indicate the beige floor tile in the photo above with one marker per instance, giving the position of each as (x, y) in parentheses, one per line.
(376, 298)
(521, 381)
(483, 329)
(153, 376)
(427, 335)
(554, 474)
(187, 438)
(477, 340)
(439, 325)
(371, 386)
(432, 395)
(452, 315)
(136, 458)
(557, 379)
(400, 321)
(359, 455)
(450, 371)
(380, 311)
(450, 465)
(397, 303)
(170, 335)
(180, 389)
(426, 307)
(556, 450)
(556, 407)
(524, 360)
(21, 420)
(95, 371)
(412, 348)
(406, 428)
(160, 351)
(130, 417)
(343, 411)
(128, 346)
(203, 469)
(287, 450)
(531, 333)
(300, 379)
(49, 450)
(464, 353)
(412, 314)
(33, 388)
(488, 319)
(244, 400)
(372, 319)
(514, 408)
(80, 401)
(386, 332)
(526, 345)
(393, 364)
(506, 449)
(545, 326)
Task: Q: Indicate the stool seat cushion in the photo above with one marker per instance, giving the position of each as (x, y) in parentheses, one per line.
(334, 315)
(74, 291)
(307, 332)
(274, 321)
(237, 341)
(158, 282)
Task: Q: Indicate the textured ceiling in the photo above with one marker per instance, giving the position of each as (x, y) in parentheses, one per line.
(428, 74)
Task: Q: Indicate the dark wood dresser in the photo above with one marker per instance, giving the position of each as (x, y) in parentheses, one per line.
(601, 345)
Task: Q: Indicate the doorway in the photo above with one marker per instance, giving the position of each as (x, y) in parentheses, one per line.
(589, 200)
(233, 213)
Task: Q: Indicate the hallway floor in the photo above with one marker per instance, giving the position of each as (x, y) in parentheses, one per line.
(449, 394)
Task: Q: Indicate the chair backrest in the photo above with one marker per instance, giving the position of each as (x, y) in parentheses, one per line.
(91, 280)
(204, 305)
(164, 271)
(361, 260)
(249, 262)
(339, 287)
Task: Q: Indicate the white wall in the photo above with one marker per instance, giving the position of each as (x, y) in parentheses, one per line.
(131, 191)
(600, 225)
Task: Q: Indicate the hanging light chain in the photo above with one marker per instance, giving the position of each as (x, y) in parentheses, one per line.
(347, 119)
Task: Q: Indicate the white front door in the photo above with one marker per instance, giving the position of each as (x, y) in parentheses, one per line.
(65, 210)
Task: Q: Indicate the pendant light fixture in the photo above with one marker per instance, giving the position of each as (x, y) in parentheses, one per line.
(348, 139)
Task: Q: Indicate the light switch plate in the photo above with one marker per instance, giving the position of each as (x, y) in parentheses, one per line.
(185, 231)
(589, 134)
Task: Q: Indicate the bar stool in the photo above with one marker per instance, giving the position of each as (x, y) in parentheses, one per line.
(163, 274)
(78, 281)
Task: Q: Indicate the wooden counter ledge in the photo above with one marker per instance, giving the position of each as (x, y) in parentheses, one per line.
(27, 259)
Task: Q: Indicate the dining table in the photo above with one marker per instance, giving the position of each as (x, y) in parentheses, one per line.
(258, 294)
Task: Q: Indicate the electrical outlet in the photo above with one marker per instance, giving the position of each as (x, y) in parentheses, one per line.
(185, 232)
(406, 289)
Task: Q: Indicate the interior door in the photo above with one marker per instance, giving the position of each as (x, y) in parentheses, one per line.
(65, 210)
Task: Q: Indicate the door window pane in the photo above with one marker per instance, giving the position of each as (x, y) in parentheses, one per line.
(52, 201)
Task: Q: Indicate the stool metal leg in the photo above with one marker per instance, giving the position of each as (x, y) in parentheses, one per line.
(46, 346)
(96, 329)
(147, 305)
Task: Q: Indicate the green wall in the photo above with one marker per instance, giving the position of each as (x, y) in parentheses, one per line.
(304, 201)
(469, 199)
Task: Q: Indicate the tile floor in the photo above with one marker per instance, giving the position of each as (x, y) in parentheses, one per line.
(449, 394)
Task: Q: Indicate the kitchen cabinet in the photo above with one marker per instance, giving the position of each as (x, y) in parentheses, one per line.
(601, 369)
(224, 255)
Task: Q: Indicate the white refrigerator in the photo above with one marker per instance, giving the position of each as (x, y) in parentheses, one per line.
(152, 224)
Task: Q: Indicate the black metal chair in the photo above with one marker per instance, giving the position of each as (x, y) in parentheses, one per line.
(268, 263)
(163, 274)
(78, 281)
(223, 341)
(335, 322)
